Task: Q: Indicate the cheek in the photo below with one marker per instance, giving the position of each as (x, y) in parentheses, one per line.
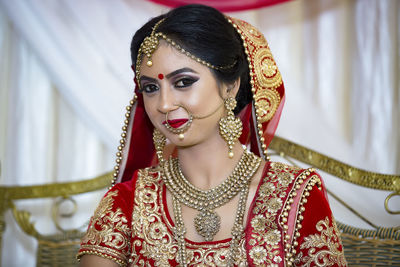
(203, 98)
(150, 107)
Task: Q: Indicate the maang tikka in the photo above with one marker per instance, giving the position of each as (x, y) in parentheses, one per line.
(150, 45)
(159, 143)
(230, 127)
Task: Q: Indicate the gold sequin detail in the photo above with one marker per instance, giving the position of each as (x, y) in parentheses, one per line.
(290, 237)
(264, 74)
(251, 32)
(328, 237)
(265, 77)
(113, 233)
(154, 238)
(266, 103)
(269, 202)
(267, 72)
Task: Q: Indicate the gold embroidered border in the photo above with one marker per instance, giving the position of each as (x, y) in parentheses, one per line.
(103, 252)
(328, 237)
(291, 238)
(152, 236)
(156, 242)
(269, 203)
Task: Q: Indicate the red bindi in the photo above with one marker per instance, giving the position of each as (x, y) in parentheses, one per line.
(160, 76)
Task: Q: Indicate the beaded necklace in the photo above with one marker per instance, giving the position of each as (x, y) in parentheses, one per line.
(207, 222)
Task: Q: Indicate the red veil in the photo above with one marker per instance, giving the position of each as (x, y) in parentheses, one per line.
(260, 117)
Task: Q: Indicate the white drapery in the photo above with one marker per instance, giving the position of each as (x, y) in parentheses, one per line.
(65, 79)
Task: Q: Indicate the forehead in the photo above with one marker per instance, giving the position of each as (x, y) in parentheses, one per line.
(167, 59)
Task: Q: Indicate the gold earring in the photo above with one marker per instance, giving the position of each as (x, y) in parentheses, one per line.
(159, 143)
(230, 127)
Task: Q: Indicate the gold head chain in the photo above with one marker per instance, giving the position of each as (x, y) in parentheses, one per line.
(150, 44)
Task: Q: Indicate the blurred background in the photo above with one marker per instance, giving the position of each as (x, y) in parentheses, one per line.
(65, 79)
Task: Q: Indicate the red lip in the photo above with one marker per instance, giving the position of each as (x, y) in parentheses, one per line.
(176, 123)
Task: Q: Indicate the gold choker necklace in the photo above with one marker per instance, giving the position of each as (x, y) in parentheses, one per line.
(207, 221)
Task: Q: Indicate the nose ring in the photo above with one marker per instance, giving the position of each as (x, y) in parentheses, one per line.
(179, 131)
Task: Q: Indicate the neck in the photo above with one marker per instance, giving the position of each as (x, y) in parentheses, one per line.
(207, 165)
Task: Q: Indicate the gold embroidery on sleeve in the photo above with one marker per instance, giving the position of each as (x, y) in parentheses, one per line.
(328, 239)
(107, 228)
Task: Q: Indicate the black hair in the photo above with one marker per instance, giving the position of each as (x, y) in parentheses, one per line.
(206, 33)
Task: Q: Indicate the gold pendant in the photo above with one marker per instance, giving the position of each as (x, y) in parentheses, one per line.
(207, 223)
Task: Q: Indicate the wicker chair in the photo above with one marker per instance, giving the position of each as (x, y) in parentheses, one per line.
(378, 247)
(57, 249)
(363, 247)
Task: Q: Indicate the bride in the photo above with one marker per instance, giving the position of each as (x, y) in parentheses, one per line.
(193, 184)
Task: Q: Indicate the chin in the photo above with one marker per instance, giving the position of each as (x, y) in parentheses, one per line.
(182, 143)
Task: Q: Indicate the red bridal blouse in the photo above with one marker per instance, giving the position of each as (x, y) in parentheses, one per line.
(289, 223)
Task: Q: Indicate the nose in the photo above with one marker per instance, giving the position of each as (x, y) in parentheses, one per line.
(166, 101)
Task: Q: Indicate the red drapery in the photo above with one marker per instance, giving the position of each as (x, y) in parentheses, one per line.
(222, 5)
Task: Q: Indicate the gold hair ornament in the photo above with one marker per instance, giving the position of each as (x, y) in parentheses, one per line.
(150, 44)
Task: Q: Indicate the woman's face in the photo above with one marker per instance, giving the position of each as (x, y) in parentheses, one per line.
(178, 85)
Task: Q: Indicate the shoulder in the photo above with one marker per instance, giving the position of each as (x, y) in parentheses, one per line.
(109, 230)
(282, 185)
(150, 173)
(120, 197)
(309, 229)
(269, 215)
(141, 176)
(286, 178)
(147, 178)
(292, 204)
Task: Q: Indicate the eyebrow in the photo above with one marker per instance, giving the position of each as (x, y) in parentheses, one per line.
(179, 71)
(148, 78)
(168, 75)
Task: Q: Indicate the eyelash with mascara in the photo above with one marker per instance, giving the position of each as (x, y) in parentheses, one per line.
(180, 83)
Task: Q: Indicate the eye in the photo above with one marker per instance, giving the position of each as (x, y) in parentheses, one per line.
(185, 82)
(149, 88)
